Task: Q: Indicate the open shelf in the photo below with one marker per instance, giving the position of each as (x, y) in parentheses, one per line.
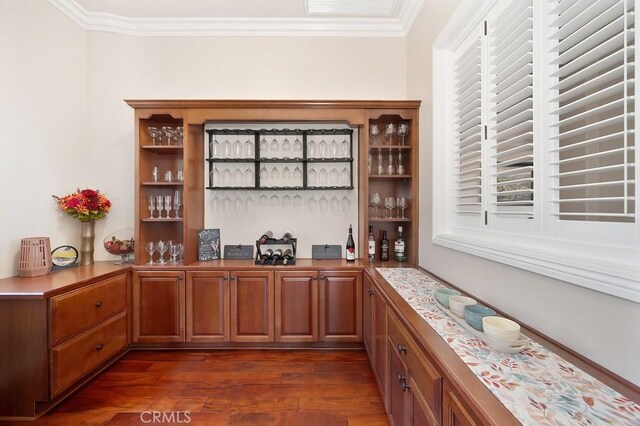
(389, 176)
(162, 183)
(163, 149)
(164, 219)
(389, 219)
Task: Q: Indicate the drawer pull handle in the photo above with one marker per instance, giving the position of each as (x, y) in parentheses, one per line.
(405, 386)
(370, 292)
(401, 349)
(98, 303)
(99, 347)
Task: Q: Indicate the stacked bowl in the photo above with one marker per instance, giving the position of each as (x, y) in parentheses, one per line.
(501, 328)
(473, 314)
(443, 295)
(458, 303)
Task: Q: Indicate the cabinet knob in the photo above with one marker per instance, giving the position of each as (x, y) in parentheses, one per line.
(225, 277)
(180, 278)
(401, 349)
(232, 277)
(99, 347)
(314, 278)
(98, 303)
(370, 292)
(405, 386)
(322, 277)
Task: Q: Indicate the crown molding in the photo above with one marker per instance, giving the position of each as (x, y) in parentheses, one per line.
(310, 26)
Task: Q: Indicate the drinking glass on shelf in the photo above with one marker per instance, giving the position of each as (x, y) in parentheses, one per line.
(380, 167)
(374, 131)
(151, 205)
(179, 134)
(154, 133)
(226, 148)
(249, 152)
(312, 176)
(346, 177)
(400, 165)
(249, 177)
(167, 205)
(168, 176)
(297, 147)
(390, 203)
(159, 203)
(375, 201)
(370, 164)
(264, 146)
(275, 145)
(237, 177)
(402, 204)
(168, 131)
(297, 200)
(180, 250)
(323, 149)
(344, 148)
(179, 176)
(335, 204)
(323, 176)
(286, 173)
(173, 252)
(155, 174)
(177, 202)
(334, 176)
(389, 131)
(161, 247)
(286, 146)
(297, 174)
(237, 148)
(403, 131)
(150, 248)
(334, 148)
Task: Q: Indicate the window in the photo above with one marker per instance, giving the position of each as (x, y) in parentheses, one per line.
(534, 139)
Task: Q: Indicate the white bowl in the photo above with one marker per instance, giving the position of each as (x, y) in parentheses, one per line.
(457, 304)
(501, 328)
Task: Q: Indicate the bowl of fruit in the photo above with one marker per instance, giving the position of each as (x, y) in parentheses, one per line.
(120, 243)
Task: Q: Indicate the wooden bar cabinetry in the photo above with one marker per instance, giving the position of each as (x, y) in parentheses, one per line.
(207, 306)
(296, 306)
(340, 306)
(252, 306)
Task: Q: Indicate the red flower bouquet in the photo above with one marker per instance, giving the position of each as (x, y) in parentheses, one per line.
(85, 205)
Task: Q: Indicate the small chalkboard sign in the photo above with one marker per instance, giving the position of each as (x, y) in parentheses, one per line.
(209, 244)
(238, 252)
(326, 252)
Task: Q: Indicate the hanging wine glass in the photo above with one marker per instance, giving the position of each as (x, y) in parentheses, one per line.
(263, 200)
(335, 204)
(249, 177)
(237, 148)
(345, 149)
(264, 174)
(216, 177)
(215, 147)
(297, 174)
(297, 147)
(297, 200)
(334, 176)
(237, 177)
(312, 176)
(275, 173)
(275, 200)
(275, 145)
(324, 204)
(323, 149)
(226, 147)
(238, 204)
(286, 200)
(313, 204)
(264, 146)
(226, 178)
(346, 177)
(311, 149)
(345, 203)
(323, 176)
(334, 149)
(249, 152)
(286, 147)
(286, 173)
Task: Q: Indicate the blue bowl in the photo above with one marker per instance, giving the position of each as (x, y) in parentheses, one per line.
(443, 294)
(473, 314)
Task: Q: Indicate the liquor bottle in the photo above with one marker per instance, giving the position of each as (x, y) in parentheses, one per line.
(266, 256)
(287, 256)
(266, 236)
(384, 247)
(372, 245)
(351, 246)
(276, 255)
(286, 236)
(400, 252)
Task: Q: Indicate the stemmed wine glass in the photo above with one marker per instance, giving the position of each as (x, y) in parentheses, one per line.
(389, 131)
(177, 202)
(286, 146)
(311, 149)
(334, 147)
(297, 147)
(323, 149)
(402, 204)
(390, 203)
(275, 145)
(161, 247)
(226, 147)
(151, 205)
(403, 131)
(150, 248)
(154, 133)
(237, 148)
(248, 149)
(159, 205)
(264, 146)
(375, 131)
(179, 134)
(375, 201)
(173, 252)
(168, 131)
(215, 147)
(167, 205)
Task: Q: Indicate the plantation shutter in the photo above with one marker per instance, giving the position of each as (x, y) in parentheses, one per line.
(510, 79)
(592, 146)
(468, 126)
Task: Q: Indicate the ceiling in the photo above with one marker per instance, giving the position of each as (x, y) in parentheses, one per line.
(371, 18)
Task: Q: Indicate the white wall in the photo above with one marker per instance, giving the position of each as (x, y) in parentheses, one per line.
(596, 325)
(42, 87)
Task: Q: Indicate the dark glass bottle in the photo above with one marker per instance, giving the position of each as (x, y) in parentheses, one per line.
(266, 236)
(384, 247)
(287, 236)
(351, 246)
(266, 256)
(372, 245)
(288, 254)
(400, 252)
(276, 255)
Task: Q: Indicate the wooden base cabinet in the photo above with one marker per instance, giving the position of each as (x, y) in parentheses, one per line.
(296, 306)
(252, 306)
(340, 306)
(375, 333)
(367, 325)
(454, 413)
(158, 306)
(207, 306)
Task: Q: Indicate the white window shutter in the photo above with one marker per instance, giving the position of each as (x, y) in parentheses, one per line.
(511, 102)
(468, 124)
(592, 145)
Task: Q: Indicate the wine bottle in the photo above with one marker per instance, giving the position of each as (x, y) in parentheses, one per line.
(276, 255)
(372, 245)
(266, 256)
(266, 236)
(400, 252)
(288, 254)
(384, 247)
(351, 246)
(286, 236)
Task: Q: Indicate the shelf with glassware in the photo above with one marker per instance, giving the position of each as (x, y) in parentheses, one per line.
(307, 163)
(392, 180)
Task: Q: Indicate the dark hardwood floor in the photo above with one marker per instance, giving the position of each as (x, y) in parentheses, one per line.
(230, 387)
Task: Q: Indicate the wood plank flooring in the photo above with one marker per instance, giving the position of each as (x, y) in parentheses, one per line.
(230, 387)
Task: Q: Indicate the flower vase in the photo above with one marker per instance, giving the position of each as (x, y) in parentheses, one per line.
(87, 237)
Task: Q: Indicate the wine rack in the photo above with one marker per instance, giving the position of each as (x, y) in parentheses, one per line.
(275, 244)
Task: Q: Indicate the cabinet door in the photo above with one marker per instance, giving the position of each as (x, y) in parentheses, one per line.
(158, 306)
(380, 341)
(419, 411)
(454, 413)
(296, 305)
(252, 306)
(340, 306)
(368, 319)
(207, 306)
(397, 388)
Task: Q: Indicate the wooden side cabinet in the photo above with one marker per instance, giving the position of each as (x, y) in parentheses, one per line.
(252, 306)
(158, 306)
(454, 414)
(340, 306)
(367, 325)
(296, 306)
(207, 306)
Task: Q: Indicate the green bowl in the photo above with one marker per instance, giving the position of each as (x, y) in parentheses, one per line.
(443, 294)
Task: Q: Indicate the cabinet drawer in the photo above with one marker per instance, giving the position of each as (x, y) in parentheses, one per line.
(73, 359)
(426, 377)
(83, 308)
